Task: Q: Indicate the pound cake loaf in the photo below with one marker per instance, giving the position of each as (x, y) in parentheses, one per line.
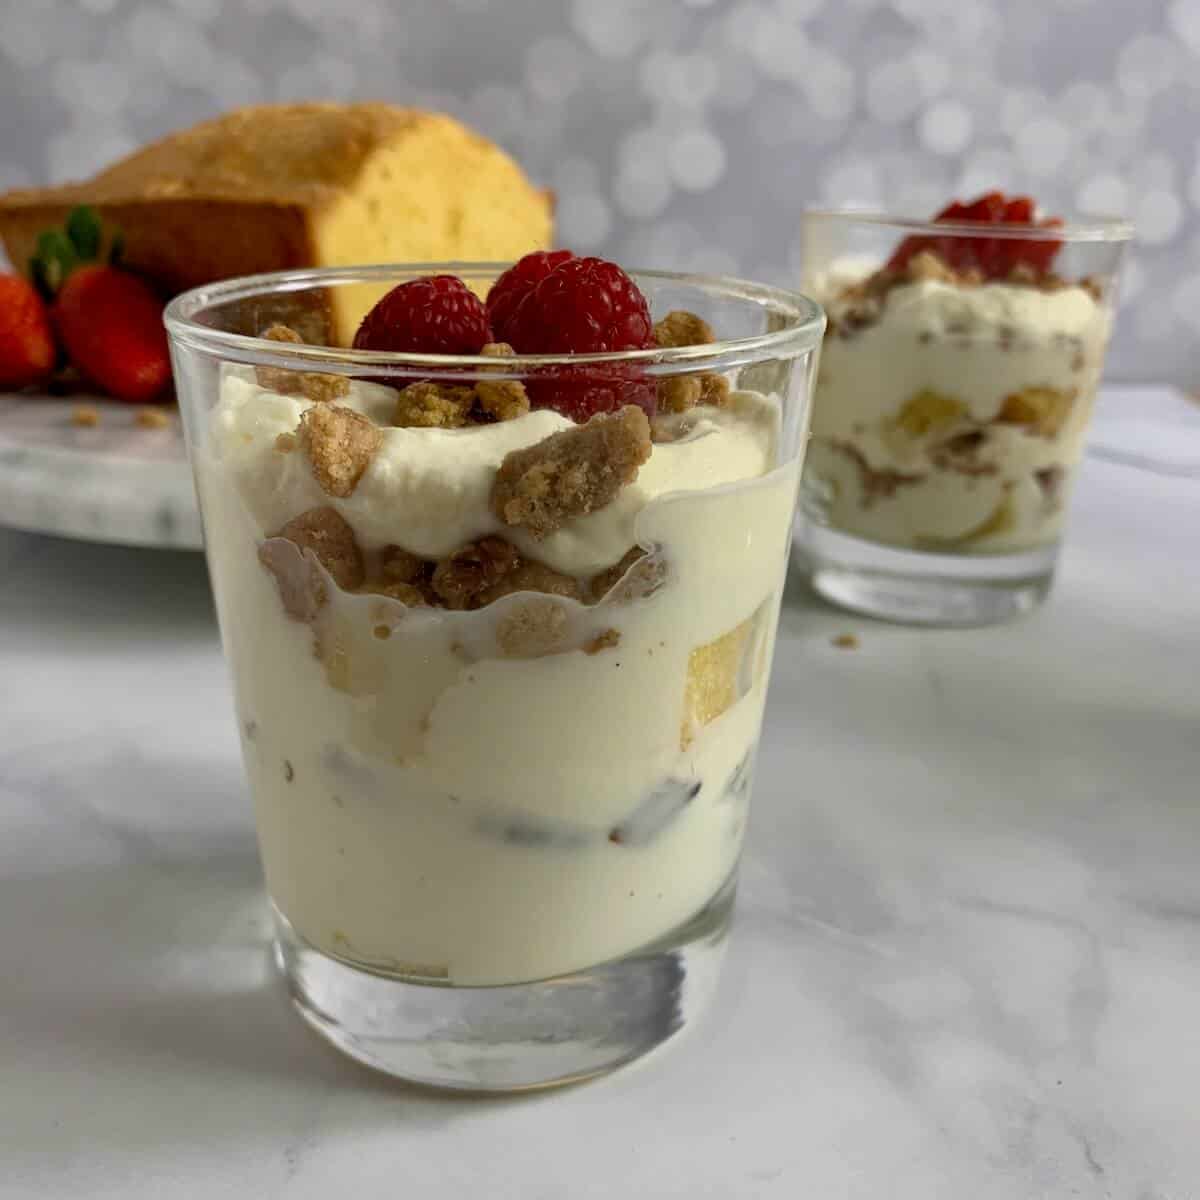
(274, 187)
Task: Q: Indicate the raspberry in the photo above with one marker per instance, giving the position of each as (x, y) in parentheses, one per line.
(585, 306)
(438, 314)
(581, 392)
(995, 257)
(582, 306)
(516, 283)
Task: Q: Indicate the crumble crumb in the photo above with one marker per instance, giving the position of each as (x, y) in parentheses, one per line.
(715, 389)
(926, 266)
(323, 389)
(846, 641)
(326, 534)
(606, 639)
(152, 417)
(397, 565)
(282, 333)
(285, 443)
(532, 630)
(530, 576)
(340, 444)
(86, 416)
(462, 577)
(679, 393)
(571, 473)
(407, 593)
(501, 399)
(638, 573)
(682, 328)
(316, 386)
(429, 405)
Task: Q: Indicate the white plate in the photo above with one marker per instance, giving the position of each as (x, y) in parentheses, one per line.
(114, 482)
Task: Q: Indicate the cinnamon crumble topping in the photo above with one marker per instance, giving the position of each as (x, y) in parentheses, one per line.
(501, 399)
(531, 576)
(461, 578)
(679, 393)
(316, 386)
(340, 444)
(328, 537)
(571, 473)
(714, 389)
(397, 565)
(428, 405)
(682, 328)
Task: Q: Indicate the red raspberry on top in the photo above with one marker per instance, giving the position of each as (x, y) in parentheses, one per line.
(995, 257)
(516, 283)
(585, 306)
(437, 314)
(582, 306)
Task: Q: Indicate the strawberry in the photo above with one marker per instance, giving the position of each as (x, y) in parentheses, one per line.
(108, 320)
(995, 257)
(111, 325)
(27, 350)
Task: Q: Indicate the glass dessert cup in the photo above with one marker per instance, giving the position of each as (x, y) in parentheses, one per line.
(950, 409)
(500, 836)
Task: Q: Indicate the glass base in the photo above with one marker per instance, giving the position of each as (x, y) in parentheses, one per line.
(917, 588)
(517, 1036)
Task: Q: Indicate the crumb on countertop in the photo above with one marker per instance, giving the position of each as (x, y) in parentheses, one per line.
(86, 416)
(152, 417)
(846, 641)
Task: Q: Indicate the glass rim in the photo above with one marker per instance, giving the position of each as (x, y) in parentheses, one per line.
(1082, 229)
(802, 334)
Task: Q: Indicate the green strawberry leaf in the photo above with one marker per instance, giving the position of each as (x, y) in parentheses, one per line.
(55, 259)
(83, 230)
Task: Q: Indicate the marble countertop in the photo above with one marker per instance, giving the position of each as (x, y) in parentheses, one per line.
(966, 959)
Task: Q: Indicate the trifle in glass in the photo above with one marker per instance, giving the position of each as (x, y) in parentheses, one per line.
(957, 377)
(500, 622)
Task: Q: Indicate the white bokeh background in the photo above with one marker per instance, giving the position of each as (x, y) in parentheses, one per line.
(688, 133)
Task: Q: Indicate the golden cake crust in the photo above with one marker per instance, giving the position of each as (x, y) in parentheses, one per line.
(276, 187)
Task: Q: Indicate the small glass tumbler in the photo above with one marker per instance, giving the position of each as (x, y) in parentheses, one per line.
(499, 675)
(957, 377)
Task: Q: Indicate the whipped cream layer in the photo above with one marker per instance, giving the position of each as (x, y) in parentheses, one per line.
(428, 489)
(954, 420)
(429, 806)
